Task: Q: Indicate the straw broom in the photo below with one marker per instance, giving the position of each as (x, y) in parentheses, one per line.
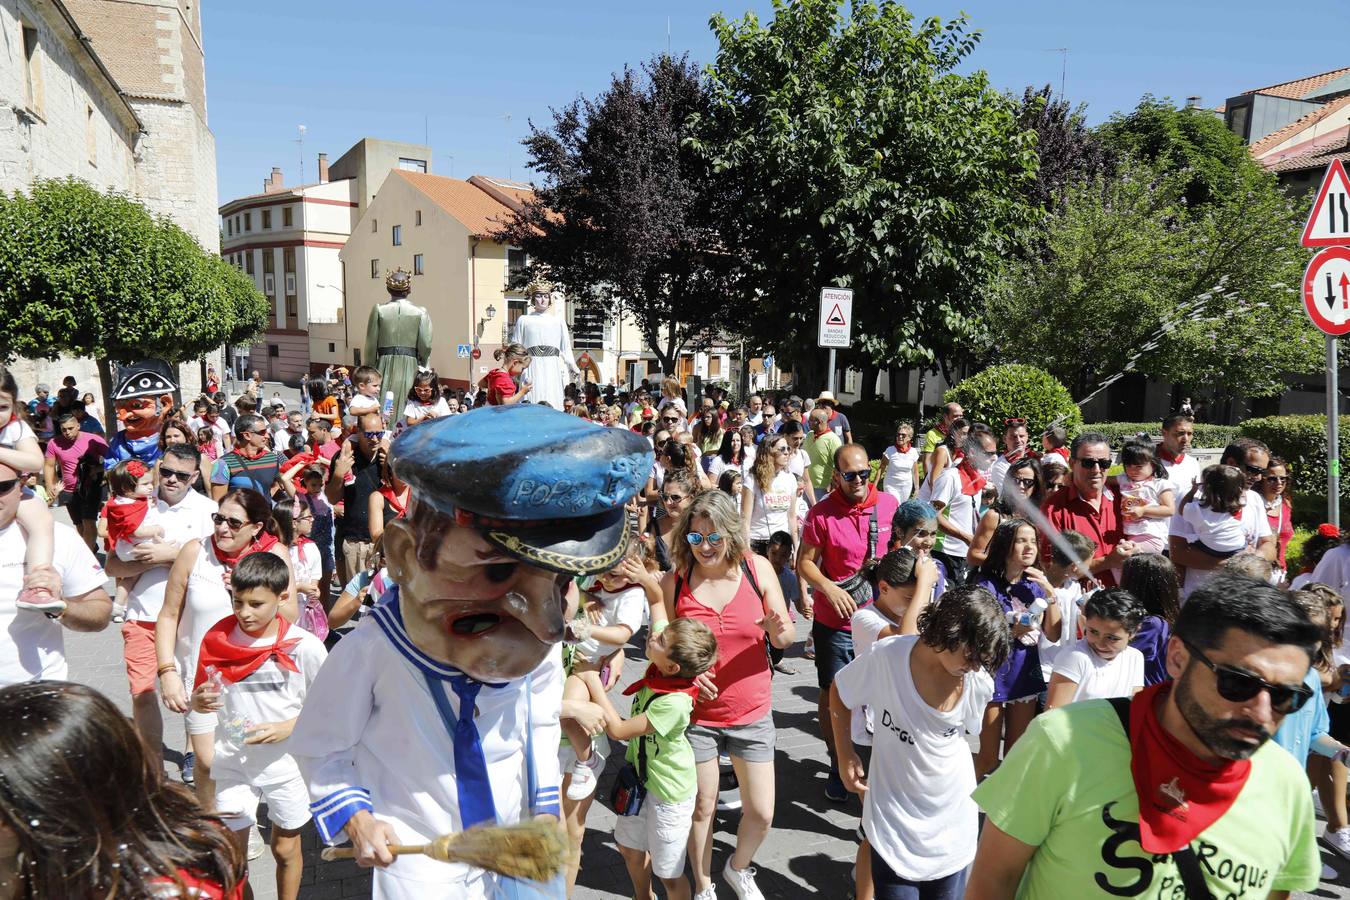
(535, 850)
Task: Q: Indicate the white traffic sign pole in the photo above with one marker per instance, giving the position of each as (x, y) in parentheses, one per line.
(836, 325)
(1333, 435)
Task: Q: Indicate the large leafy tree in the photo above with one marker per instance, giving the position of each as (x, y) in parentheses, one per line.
(92, 274)
(1134, 279)
(857, 156)
(625, 219)
(1067, 150)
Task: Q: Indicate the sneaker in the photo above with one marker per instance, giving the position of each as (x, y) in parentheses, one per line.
(810, 652)
(708, 893)
(584, 778)
(40, 600)
(1328, 873)
(835, 791)
(255, 844)
(1339, 841)
(783, 668)
(742, 882)
(119, 615)
(189, 765)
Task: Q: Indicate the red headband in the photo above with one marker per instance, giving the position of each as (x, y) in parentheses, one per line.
(1328, 531)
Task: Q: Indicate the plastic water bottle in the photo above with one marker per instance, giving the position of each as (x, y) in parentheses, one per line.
(388, 405)
(236, 728)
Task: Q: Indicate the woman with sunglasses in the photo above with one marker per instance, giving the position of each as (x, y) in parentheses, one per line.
(1274, 488)
(769, 495)
(196, 597)
(677, 492)
(717, 580)
(1022, 484)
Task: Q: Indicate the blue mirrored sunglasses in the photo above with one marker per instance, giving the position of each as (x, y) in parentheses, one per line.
(694, 538)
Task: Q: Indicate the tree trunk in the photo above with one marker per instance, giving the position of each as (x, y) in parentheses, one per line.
(869, 382)
(105, 382)
(923, 386)
(895, 379)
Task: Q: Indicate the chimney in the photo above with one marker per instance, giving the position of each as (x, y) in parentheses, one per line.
(1192, 102)
(274, 183)
(323, 168)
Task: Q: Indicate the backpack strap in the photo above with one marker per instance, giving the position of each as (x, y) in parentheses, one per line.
(1192, 878)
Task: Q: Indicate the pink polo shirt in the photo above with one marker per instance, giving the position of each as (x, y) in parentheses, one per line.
(840, 531)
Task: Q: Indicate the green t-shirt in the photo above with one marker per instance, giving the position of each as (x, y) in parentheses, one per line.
(1066, 789)
(670, 758)
(820, 458)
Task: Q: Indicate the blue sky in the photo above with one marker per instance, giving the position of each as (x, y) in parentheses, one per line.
(455, 71)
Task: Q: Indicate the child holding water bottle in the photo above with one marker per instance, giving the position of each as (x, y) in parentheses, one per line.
(1147, 499)
(255, 669)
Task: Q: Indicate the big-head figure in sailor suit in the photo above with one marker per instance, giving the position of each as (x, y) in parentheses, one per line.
(417, 724)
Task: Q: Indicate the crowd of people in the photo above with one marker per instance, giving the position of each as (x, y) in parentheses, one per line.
(967, 594)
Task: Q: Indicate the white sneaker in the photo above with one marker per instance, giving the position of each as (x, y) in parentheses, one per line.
(255, 844)
(1339, 841)
(708, 893)
(1328, 873)
(742, 882)
(584, 778)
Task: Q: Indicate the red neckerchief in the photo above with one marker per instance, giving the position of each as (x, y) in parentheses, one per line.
(1180, 795)
(905, 448)
(866, 502)
(1168, 456)
(1062, 451)
(301, 541)
(662, 684)
(123, 519)
(260, 544)
(237, 663)
(398, 505)
(239, 452)
(972, 482)
(1014, 457)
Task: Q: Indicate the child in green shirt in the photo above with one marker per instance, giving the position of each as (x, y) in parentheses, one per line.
(654, 840)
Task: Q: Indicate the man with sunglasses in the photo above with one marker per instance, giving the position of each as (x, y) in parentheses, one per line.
(32, 640)
(1015, 442)
(186, 516)
(251, 464)
(1251, 457)
(1087, 505)
(1179, 793)
(847, 531)
(354, 476)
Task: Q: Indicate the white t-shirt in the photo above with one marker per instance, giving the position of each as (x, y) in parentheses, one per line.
(868, 623)
(417, 410)
(307, 563)
(1183, 474)
(219, 429)
(918, 813)
(1254, 524)
(269, 694)
(1067, 595)
(771, 507)
(999, 471)
(958, 508)
(33, 646)
(627, 607)
(1221, 531)
(1097, 678)
(899, 480)
(14, 431)
(187, 521)
(1149, 491)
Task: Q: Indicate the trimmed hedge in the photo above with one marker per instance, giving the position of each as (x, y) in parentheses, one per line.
(1206, 436)
(1302, 442)
(1016, 390)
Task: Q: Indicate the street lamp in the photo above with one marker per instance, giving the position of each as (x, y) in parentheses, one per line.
(491, 312)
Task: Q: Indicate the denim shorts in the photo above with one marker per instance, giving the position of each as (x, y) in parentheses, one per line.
(834, 650)
(752, 742)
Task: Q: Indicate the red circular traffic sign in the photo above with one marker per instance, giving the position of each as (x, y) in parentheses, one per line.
(1326, 290)
(476, 353)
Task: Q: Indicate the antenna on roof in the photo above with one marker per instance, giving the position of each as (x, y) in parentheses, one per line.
(1064, 66)
(667, 35)
(451, 157)
(510, 170)
(301, 141)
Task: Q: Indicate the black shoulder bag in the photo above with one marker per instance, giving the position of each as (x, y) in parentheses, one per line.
(1187, 864)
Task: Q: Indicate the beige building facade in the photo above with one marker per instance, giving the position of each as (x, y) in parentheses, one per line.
(112, 92)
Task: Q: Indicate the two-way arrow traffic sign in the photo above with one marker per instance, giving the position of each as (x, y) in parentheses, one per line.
(1326, 290)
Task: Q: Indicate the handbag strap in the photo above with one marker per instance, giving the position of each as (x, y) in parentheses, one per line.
(1192, 878)
(872, 531)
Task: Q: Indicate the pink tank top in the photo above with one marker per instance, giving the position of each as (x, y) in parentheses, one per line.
(744, 680)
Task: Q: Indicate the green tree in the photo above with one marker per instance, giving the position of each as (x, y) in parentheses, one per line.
(626, 216)
(92, 274)
(857, 156)
(1134, 279)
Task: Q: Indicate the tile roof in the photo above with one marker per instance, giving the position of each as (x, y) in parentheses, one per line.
(1295, 89)
(1313, 159)
(475, 208)
(1279, 136)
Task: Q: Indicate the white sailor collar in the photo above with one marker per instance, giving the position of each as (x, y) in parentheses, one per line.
(388, 614)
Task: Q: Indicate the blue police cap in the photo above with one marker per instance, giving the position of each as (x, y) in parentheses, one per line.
(546, 487)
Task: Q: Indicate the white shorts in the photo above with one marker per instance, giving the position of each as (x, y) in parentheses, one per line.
(662, 829)
(287, 803)
(197, 722)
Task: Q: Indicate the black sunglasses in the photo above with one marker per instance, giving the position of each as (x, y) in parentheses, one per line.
(1254, 470)
(234, 524)
(1282, 479)
(1088, 463)
(1238, 686)
(175, 474)
(861, 474)
(7, 486)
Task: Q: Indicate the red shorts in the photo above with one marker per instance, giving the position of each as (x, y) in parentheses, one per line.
(138, 649)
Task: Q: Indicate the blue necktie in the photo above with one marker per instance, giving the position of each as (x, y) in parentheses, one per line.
(471, 776)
